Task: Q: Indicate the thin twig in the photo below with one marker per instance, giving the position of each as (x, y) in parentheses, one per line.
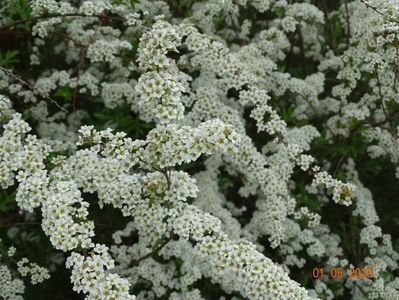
(341, 159)
(19, 224)
(396, 65)
(393, 114)
(288, 57)
(372, 7)
(380, 94)
(364, 293)
(149, 166)
(15, 32)
(167, 176)
(302, 49)
(33, 19)
(354, 246)
(348, 24)
(137, 261)
(61, 34)
(11, 74)
(328, 25)
(82, 55)
(67, 37)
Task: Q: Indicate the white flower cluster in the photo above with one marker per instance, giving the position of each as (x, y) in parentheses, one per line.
(13, 288)
(159, 88)
(160, 94)
(27, 157)
(263, 112)
(64, 217)
(342, 192)
(40, 7)
(104, 50)
(89, 275)
(115, 93)
(258, 276)
(171, 145)
(195, 224)
(37, 274)
(266, 91)
(380, 253)
(5, 108)
(155, 44)
(94, 7)
(10, 288)
(64, 212)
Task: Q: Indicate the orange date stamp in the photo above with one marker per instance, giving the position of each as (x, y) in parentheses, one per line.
(341, 273)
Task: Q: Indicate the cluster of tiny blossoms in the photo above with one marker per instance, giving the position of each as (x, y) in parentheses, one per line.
(221, 87)
(63, 211)
(159, 88)
(37, 274)
(89, 275)
(12, 287)
(260, 278)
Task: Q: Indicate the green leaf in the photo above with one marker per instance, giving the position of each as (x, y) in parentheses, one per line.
(64, 92)
(7, 201)
(23, 9)
(8, 57)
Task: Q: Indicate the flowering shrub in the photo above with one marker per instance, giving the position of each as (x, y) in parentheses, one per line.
(215, 149)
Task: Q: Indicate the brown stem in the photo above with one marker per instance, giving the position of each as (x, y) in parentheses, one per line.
(380, 94)
(14, 32)
(19, 224)
(289, 57)
(151, 168)
(11, 74)
(67, 37)
(33, 19)
(328, 25)
(387, 120)
(354, 244)
(348, 24)
(75, 92)
(372, 7)
(302, 49)
(137, 261)
(61, 34)
(340, 161)
(167, 176)
(396, 65)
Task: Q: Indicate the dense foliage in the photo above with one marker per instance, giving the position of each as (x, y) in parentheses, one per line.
(215, 149)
